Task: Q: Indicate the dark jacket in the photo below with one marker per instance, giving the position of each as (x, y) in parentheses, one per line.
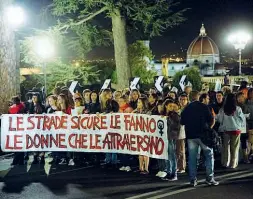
(36, 109)
(50, 110)
(133, 104)
(173, 125)
(153, 108)
(112, 106)
(195, 117)
(216, 107)
(94, 108)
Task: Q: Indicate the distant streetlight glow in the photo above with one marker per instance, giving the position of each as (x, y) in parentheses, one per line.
(239, 40)
(15, 16)
(44, 47)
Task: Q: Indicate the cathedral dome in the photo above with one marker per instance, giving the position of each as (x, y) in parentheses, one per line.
(202, 45)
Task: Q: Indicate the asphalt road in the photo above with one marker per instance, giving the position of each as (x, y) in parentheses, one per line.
(75, 182)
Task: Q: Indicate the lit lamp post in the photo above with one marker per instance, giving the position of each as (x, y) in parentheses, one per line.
(239, 40)
(44, 48)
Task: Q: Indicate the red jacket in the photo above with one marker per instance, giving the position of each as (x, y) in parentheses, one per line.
(17, 109)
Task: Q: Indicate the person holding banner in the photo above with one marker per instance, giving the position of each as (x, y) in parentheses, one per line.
(117, 95)
(133, 99)
(65, 108)
(142, 108)
(36, 106)
(171, 109)
(17, 108)
(52, 102)
(63, 105)
(161, 162)
(94, 107)
(124, 107)
(86, 97)
(180, 145)
(111, 106)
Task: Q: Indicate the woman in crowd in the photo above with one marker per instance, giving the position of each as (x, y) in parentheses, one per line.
(63, 105)
(231, 119)
(180, 145)
(161, 162)
(171, 109)
(111, 106)
(52, 102)
(173, 95)
(124, 107)
(94, 106)
(117, 95)
(133, 99)
(36, 106)
(152, 103)
(86, 97)
(65, 108)
(17, 108)
(142, 108)
(240, 97)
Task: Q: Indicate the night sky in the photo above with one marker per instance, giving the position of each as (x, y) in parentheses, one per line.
(220, 17)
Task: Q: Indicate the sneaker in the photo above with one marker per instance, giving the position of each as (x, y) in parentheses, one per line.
(127, 168)
(194, 183)
(181, 171)
(71, 162)
(174, 178)
(158, 174)
(122, 168)
(63, 161)
(163, 174)
(212, 182)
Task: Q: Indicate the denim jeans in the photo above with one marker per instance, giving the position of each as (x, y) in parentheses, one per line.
(193, 147)
(161, 165)
(111, 158)
(171, 163)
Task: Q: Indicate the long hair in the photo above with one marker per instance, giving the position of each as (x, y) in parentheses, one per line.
(63, 107)
(131, 94)
(144, 101)
(230, 104)
(97, 100)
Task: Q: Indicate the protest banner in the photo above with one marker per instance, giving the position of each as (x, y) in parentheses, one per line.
(114, 133)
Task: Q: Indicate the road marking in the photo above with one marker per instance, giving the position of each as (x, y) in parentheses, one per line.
(202, 185)
(187, 183)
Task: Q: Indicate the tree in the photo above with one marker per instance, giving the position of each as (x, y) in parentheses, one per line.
(60, 73)
(139, 61)
(9, 67)
(192, 74)
(153, 16)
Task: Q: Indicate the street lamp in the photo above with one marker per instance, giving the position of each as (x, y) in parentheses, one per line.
(15, 16)
(44, 48)
(239, 40)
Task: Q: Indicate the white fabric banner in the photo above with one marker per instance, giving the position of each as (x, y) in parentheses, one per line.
(135, 134)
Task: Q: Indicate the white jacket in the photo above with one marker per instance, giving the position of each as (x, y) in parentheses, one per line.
(234, 122)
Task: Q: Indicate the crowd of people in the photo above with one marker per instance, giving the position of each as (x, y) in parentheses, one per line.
(198, 123)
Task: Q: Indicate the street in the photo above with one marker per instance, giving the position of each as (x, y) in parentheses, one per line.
(89, 182)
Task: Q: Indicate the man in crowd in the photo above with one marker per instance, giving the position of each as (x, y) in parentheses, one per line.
(217, 105)
(195, 117)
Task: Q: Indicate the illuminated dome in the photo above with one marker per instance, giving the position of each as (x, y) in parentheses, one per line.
(203, 50)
